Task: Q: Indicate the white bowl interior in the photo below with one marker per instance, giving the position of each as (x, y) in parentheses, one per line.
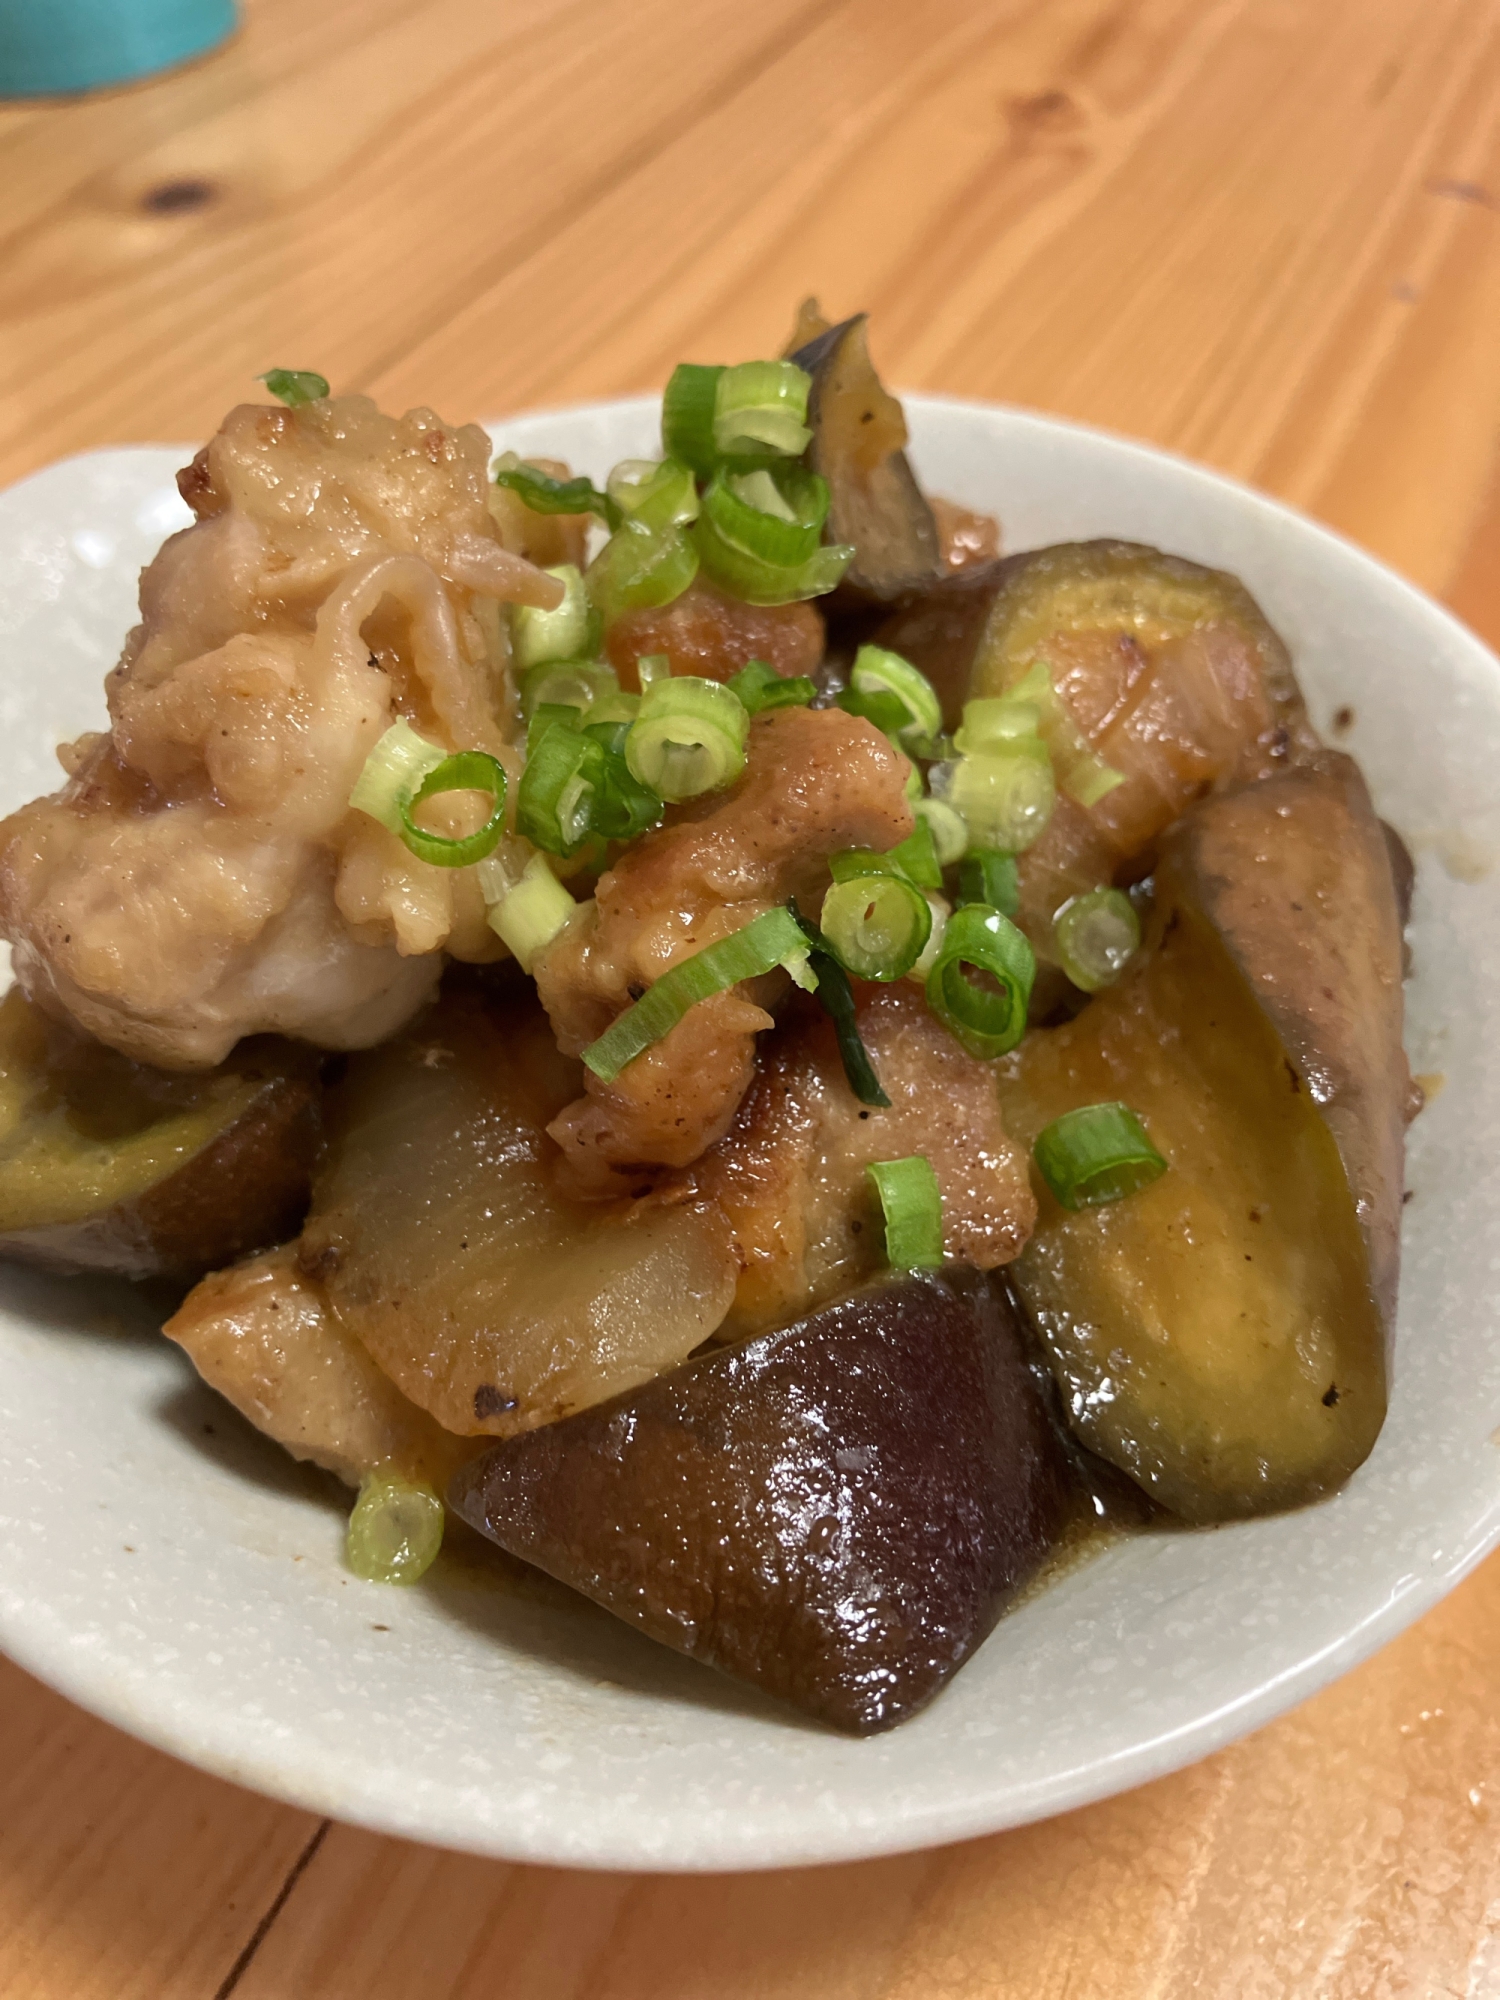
(173, 1572)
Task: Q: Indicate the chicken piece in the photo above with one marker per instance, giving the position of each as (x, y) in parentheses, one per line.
(790, 1173)
(262, 1335)
(815, 782)
(200, 876)
(706, 633)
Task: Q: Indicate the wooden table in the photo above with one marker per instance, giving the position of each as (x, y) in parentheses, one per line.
(1263, 232)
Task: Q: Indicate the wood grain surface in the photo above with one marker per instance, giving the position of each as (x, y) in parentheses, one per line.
(1262, 232)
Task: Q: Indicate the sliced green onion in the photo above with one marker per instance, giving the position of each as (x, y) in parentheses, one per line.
(988, 876)
(913, 1207)
(655, 493)
(688, 738)
(1096, 935)
(1098, 1153)
(687, 416)
(941, 912)
(576, 684)
(640, 568)
(777, 518)
(876, 924)
(404, 770)
(1081, 771)
(544, 494)
(396, 1528)
(555, 800)
(836, 997)
(464, 771)
(995, 724)
(529, 916)
(761, 407)
(877, 671)
(652, 667)
(392, 772)
(758, 948)
(564, 634)
(950, 835)
(294, 386)
(1005, 800)
(760, 687)
(917, 857)
(987, 1019)
(755, 581)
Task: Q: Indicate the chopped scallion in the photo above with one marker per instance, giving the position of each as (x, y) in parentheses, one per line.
(652, 667)
(988, 876)
(655, 493)
(1096, 1154)
(877, 924)
(571, 683)
(544, 494)
(1006, 799)
(760, 407)
(568, 633)
(396, 1528)
(640, 568)
(981, 945)
(941, 912)
(1096, 936)
(294, 386)
(746, 954)
(837, 1001)
(950, 835)
(877, 671)
(689, 737)
(528, 916)
(917, 857)
(775, 518)
(1081, 772)
(755, 581)
(912, 1204)
(687, 416)
(760, 687)
(404, 770)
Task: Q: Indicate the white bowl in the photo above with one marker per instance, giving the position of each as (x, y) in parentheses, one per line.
(173, 1572)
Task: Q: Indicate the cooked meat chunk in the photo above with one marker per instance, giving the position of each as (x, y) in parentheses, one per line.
(262, 1335)
(790, 1173)
(964, 537)
(200, 876)
(704, 632)
(816, 781)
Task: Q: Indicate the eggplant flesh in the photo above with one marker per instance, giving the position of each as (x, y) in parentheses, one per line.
(835, 1512)
(858, 445)
(109, 1165)
(1220, 1335)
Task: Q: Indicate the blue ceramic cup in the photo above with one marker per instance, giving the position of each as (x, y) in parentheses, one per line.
(48, 46)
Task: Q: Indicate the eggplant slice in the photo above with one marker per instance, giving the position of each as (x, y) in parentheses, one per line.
(110, 1165)
(835, 1512)
(859, 446)
(1221, 1334)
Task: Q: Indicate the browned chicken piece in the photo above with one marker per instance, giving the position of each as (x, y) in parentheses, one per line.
(262, 1335)
(706, 633)
(200, 876)
(815, 782)
(790, 1173)
(964, 537)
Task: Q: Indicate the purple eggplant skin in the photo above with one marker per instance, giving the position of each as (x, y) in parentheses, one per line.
(835, 1512)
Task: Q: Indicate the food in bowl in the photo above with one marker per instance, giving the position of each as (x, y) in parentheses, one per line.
(843, 1053)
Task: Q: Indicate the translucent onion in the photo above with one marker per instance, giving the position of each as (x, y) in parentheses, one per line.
(689, 737)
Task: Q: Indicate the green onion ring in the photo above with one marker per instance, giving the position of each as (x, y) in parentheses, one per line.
(913, 1207)
(986, 1023)
(1096, 1154)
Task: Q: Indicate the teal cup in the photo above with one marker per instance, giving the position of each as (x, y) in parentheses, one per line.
(53, 46)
